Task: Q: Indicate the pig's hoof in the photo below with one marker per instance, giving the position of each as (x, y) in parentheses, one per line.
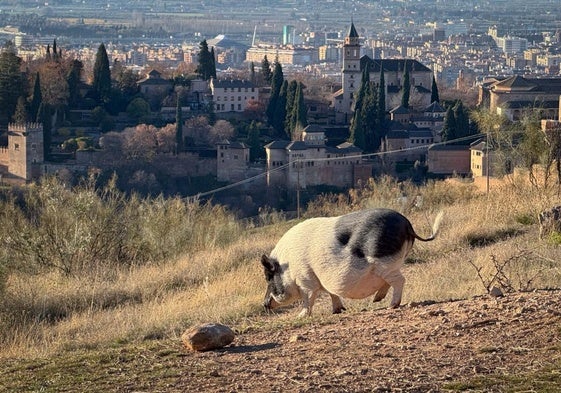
(339, 310)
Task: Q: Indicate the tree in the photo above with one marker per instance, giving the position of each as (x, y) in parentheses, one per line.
(276, 85)
(12, 83)
(290, 95)
(73, 78)
(220, 131)
(252, 76)
(20, 115)
(299, 111)
(462, 120)
(213, 58)
(279, 116)
(266, 70)
(37, 97)
(178, 127)
(434, 97)
(138, 108)
(449, 129)
(205, 67)
(102, 75)
(253, 142)
(44, 116)
(406, 88)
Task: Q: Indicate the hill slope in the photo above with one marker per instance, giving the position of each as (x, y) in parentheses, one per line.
(486, 344)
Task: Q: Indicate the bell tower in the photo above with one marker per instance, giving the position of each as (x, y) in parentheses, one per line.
(351, 73)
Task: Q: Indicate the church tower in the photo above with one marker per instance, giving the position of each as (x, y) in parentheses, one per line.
(351, 73)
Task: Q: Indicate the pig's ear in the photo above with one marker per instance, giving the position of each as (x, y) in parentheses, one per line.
(268, 264)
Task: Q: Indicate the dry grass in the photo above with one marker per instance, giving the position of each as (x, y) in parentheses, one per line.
(222, 280)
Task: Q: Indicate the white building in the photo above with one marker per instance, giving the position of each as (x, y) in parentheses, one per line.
(232, 95)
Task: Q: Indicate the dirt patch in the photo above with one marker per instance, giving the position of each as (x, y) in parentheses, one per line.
(417, 348)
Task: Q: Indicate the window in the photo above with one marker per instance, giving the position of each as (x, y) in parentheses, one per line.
(225, 89)
(16, 146)
(239, 107)
(232, 107)
(239, 98)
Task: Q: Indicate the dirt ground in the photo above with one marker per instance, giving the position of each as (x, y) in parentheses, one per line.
(416, 348)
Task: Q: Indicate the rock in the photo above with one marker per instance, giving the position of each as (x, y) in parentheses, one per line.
(496, 292)
(207, 337)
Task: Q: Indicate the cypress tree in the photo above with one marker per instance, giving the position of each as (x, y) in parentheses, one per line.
(290, 95)
(55, 54)
(299, 110)
(276, 85)
(213, 60)
(462, 120)
(434, 96)
(44, 116)
(280, 111)
(369, 115)
(73, 79)
(252, 77)
(253, 141)
(37, 97)
(406, 88)
(205, 66)
(266, 70)
(178, 127)
(102, 74)
(20, 116)
(449, 131)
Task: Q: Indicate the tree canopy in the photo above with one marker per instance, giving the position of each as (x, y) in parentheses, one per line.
(102, 75)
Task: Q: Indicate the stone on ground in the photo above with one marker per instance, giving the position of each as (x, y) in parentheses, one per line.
(207, 337)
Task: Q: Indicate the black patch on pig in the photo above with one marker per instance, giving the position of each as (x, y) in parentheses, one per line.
(357, 252)
(376, 233)
(343, 237)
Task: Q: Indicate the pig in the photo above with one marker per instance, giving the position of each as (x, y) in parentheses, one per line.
(354, 256)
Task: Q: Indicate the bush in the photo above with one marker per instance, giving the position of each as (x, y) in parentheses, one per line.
(79, 231)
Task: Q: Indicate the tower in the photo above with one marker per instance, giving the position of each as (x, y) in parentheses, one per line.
(351, 73)
(25, 149)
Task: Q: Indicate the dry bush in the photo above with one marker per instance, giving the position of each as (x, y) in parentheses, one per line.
(208, 267)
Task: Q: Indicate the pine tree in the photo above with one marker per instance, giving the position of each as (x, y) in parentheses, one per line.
(434, 96)
(178, 127)
(37, 97)
(406, 88)
(276, 85)
(449, 131)
(102, 75)
(266, 70)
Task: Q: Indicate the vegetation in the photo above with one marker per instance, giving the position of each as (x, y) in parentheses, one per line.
(71, 260)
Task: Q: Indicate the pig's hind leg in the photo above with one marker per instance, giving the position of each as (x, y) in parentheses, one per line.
(336, 304)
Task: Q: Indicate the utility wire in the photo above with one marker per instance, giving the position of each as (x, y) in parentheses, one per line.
(266, 173)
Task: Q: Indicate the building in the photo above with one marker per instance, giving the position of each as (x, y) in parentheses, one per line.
(286, 55)
(515, 95)
(24, 156)
(449, 159)
(394, 70)
(232, 161)
(154, 85)
(233, 95)
(310, 162)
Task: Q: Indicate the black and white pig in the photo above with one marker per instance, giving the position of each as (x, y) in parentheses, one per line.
(353, 256)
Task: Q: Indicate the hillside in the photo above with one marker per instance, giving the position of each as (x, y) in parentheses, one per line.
(485, 344)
